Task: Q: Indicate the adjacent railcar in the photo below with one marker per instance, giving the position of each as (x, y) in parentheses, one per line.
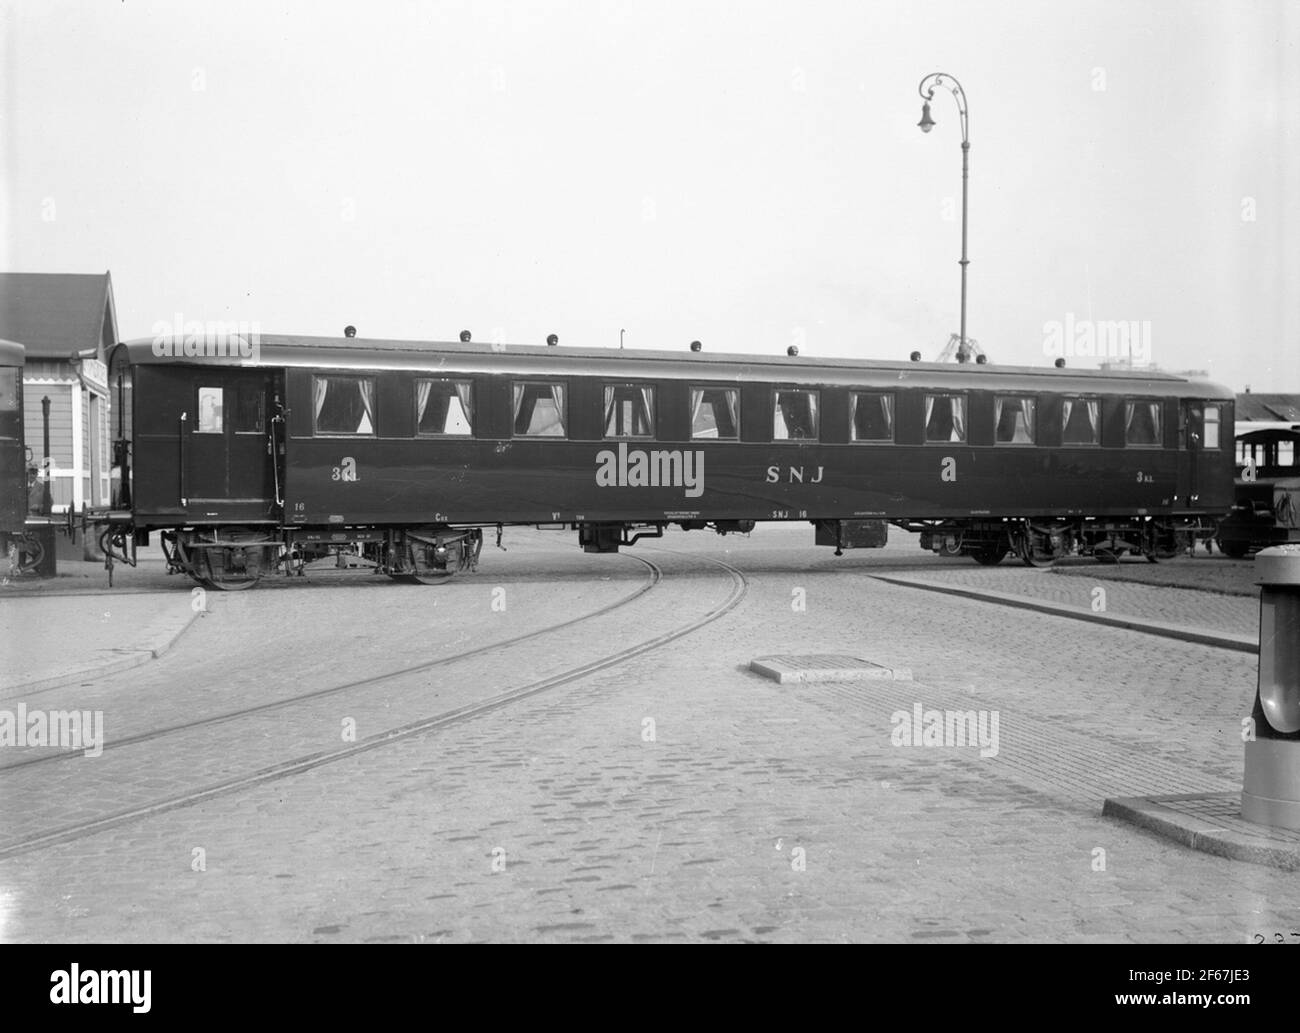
(1266, 491)
(22, 552)
(251, 455)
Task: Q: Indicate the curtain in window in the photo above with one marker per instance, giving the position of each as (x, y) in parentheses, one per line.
(320, 388)
(958, 419)
(423, 388)
(697, 403)
(648, 414)
(557, 396)
(887, 410)
(463, 393)
(732, 399)
(1025, 423)
(367, 391)
(1093, 407)
(929, 408)
(611, 411)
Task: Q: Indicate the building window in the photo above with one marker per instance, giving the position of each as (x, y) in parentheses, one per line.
(1211, 427)
(629, 411)
(945, 418)
(795, 417)
(1079, 417)
(444, 407)
(1142, 423)
(210, 419)
(871, 417)
(1013, 420)
(539, 410)
(343, 405)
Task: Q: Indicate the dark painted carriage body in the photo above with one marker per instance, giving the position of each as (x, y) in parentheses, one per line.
(13, 454)
(270, 465)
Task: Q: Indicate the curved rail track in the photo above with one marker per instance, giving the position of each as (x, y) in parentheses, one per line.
(448, 718)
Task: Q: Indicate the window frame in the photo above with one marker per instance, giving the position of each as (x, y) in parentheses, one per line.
(220, 428)
(814, 412)
(705, 389)
(1096, 427)
(1159, 409)
(455, 382)
(563, 409)
(651, 403)
(964, 397)
(1031, 422)
(854, 395)
(356, 379)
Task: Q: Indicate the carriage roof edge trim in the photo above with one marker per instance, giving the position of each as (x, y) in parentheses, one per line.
(293, 351)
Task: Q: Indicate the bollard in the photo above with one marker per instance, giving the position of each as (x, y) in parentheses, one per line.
(1270, 793)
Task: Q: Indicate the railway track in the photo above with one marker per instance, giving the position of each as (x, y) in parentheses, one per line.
(445, 719)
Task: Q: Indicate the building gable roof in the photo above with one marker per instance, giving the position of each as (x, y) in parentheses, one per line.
(54, 314)
(1264, 407)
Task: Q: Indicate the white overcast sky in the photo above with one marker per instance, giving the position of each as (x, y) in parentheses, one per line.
(747, 173)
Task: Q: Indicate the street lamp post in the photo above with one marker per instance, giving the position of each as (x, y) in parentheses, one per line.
(932, 82)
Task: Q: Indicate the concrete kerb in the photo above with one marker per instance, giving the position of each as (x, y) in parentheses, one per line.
(1227, 835)
(130, 656)
(1203, 636)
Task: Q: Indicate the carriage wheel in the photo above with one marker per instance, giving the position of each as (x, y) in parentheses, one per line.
(1233, 550)
(1105, 554)
(988, 555)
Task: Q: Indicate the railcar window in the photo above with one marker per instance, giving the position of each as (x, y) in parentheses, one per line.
(1142, 423)
(795, 417)
(9, 389)
(629, 411)
(211, 417)
(1079, 420)
(444, 407)
(344, 405)
(1210, 426)
(1013, 420)
(249, 416)
(945, 418)
(871, 417)
(539, 410)
(715, 413)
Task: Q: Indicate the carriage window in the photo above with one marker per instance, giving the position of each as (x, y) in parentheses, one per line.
(210, 415)
(1013, 420)
(1142, 423)
(444, 407)
(249, 416)
(945, 418)
(715, 413)
(795, 417)
(343, 405)
(1079, 421)
(539, 410)
(871, 417)
(1210, 426)
(629, 411)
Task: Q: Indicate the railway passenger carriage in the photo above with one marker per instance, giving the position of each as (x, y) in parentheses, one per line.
(249, 455)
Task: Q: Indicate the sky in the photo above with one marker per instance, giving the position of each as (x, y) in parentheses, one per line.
(750, 174)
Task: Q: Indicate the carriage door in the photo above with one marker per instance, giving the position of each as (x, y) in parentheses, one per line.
(1195, 427)
(229, 465)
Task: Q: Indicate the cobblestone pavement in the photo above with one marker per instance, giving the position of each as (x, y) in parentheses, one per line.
(675, 797)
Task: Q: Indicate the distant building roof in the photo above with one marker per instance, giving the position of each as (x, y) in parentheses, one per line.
(1268, 407)
(53, 314)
